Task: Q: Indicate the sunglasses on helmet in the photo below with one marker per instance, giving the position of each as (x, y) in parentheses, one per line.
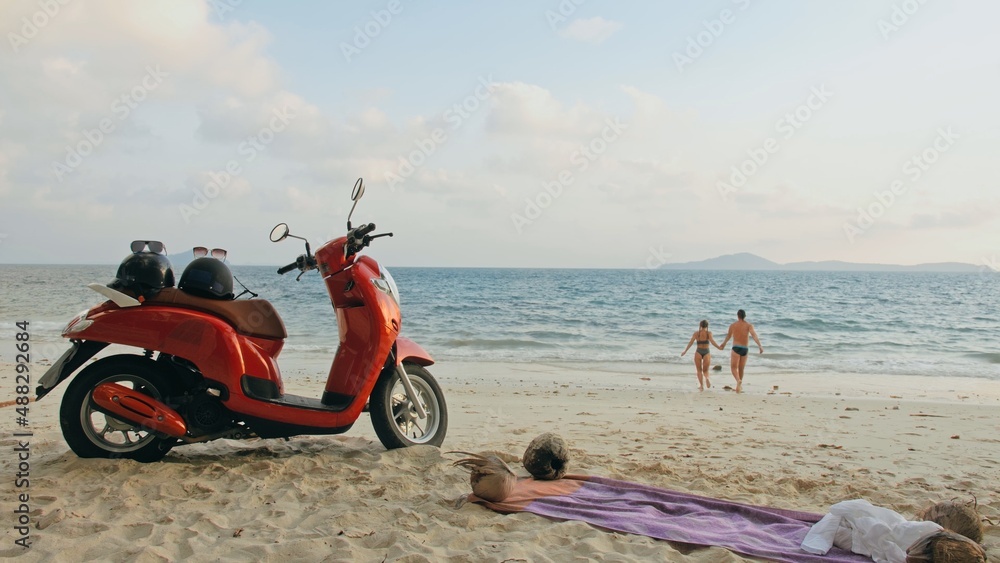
(217, 253)
(153, 245)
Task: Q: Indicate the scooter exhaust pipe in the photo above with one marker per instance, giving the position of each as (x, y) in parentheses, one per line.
(132, 406)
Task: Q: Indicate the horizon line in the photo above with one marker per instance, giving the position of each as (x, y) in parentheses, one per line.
(663, 267)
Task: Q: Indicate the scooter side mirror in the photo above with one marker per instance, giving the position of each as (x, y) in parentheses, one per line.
(358, 191)
(279, 232)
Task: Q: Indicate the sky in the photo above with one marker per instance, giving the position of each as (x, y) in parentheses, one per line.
(559, 133)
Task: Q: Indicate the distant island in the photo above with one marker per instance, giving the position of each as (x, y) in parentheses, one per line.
(747, 261)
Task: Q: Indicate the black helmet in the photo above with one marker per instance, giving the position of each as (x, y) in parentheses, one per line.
(207, 277)
(143, 274)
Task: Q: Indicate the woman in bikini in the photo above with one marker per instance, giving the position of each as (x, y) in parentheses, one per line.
(703, 354)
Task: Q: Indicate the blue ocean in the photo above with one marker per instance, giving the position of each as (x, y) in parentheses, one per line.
(929, 324)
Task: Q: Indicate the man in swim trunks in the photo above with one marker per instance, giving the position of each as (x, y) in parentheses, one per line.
(740, 332)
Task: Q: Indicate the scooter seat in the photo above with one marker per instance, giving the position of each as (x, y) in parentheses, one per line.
(252, 317)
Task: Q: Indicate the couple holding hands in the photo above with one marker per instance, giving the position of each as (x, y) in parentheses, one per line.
(740, 332)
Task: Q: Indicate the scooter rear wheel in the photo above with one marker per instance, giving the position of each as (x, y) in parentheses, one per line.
(91, 433)
(394, 416)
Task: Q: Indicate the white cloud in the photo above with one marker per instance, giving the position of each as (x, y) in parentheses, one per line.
(117, 64)
(593, 30)
(111, 44)
(531, 111)
(973, 214)
(304, 201)
(86, 206)
(233, 119)
(657, 181)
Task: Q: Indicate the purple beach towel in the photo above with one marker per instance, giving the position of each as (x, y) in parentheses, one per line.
(756, 531)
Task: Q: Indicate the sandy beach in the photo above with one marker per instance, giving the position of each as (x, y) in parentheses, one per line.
(791, 441)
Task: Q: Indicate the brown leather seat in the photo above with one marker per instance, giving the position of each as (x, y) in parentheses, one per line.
(252, 317)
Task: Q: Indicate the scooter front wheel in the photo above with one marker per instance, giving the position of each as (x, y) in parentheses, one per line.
(91, 433)
(395, 417)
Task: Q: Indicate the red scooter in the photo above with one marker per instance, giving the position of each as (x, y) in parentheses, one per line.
(209, 367)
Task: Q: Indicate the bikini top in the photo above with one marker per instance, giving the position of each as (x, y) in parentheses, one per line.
(703, 342)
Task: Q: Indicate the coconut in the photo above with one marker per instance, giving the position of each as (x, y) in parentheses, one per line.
(491, 478)
(945, 547)
(547, 457)
(961, 518)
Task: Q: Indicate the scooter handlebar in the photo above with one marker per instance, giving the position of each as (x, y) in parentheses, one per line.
(363, 230)
(285, 269)
(358, 238)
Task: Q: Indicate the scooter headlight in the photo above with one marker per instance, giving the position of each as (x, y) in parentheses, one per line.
(79, 323)
(385, 283)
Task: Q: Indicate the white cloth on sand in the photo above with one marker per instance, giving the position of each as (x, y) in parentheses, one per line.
(865, 529)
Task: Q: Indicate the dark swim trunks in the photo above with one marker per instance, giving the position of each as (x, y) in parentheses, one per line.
(741, 350)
